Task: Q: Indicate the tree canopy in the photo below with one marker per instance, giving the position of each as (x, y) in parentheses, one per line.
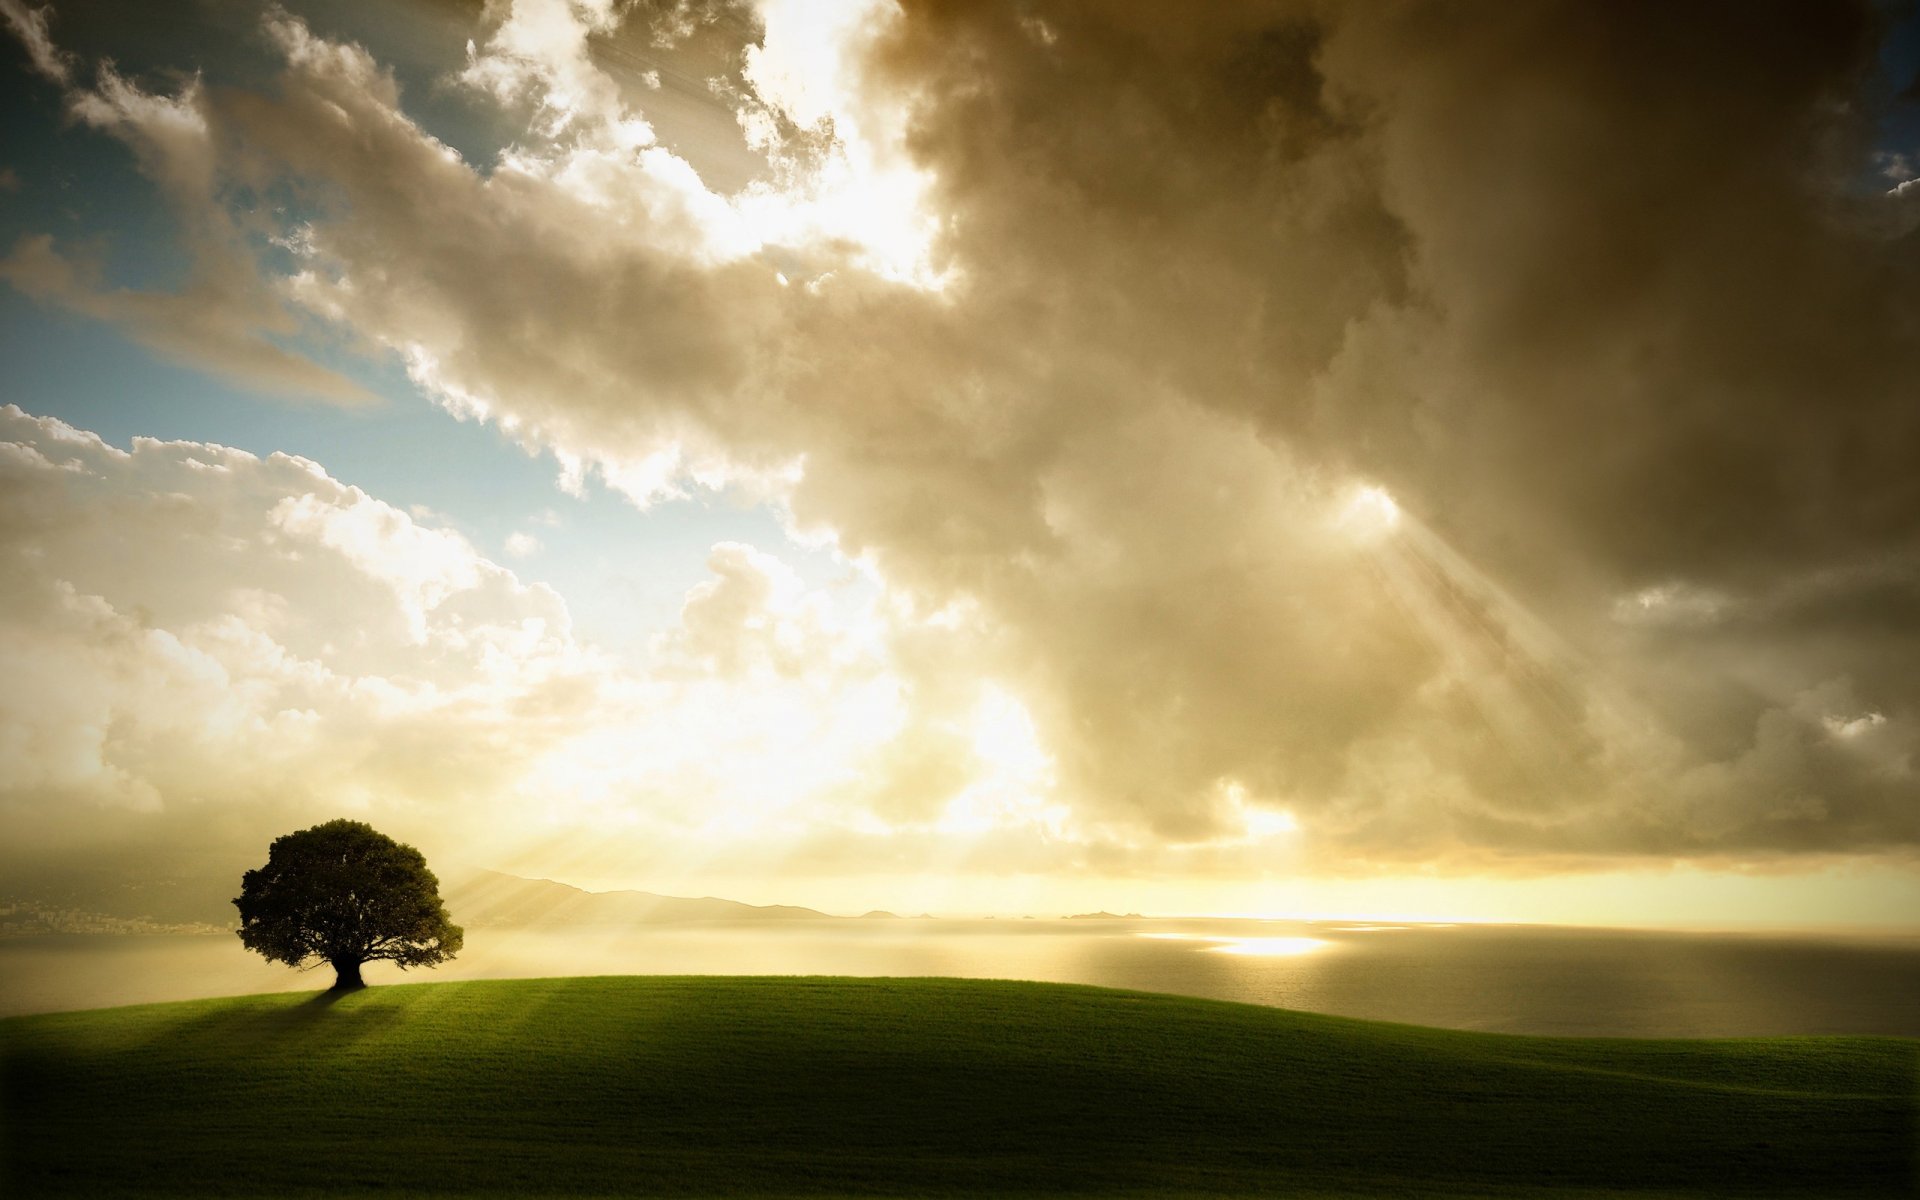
(344, 893)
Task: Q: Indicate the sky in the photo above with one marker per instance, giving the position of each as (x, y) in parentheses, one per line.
(1406, 459)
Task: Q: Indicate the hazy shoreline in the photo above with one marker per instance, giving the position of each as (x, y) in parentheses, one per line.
(1516, 979)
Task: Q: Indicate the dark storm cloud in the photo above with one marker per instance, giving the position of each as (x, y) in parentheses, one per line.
(1583, 285)
(1595, 257)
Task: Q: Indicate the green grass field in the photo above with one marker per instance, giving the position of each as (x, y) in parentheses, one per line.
(723, 1086)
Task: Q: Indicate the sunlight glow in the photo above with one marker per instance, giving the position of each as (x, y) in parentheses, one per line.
(1270, 947)
(1013, 787)
(1252, 947)
(1370, 512)
(1003, 736)
(865, 191)
(1847, 728)
(1259, 824)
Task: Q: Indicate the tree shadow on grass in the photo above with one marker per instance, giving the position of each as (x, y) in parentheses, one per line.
(322, 1020)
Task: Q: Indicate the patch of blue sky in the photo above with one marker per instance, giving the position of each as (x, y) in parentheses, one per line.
(78, 185)
(83, 187)
(1899, 131)
(623, 572)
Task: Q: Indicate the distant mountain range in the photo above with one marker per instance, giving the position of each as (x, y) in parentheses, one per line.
(121, 895)
(493, 899)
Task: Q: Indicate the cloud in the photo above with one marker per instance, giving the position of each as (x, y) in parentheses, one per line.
(205, 648)
(30, 25)
(188, 625)
(1143, 311)
(226, 317)
(205, 326)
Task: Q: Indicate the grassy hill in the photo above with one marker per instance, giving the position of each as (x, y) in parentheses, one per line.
(722, 1086)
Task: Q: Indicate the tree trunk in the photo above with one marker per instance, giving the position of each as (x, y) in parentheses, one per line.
(346, 973)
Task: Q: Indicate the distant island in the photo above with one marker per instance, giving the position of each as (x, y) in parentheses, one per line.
(198, 903)
(493, 899)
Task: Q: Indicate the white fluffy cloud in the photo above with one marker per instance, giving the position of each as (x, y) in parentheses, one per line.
(191, 624)
(194, 632)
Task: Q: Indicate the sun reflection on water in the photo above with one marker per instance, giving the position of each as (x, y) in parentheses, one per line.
(1253, 947)
(1269, 947)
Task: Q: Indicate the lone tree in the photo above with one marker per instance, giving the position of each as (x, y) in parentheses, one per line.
(344, 893)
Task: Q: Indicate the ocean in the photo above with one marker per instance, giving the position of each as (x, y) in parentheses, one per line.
(1501, 978)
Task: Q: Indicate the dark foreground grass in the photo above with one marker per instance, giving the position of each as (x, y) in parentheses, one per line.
(719, 1086)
